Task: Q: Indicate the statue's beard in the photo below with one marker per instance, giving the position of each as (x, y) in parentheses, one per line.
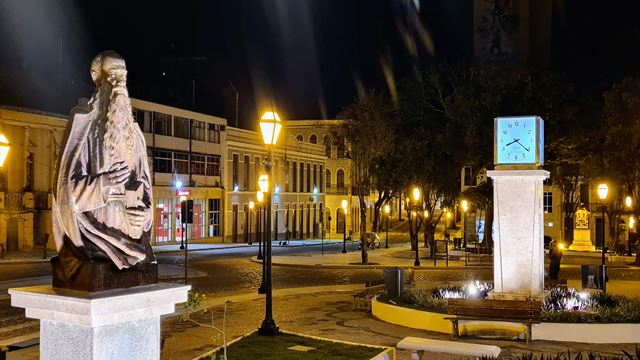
(118, 126)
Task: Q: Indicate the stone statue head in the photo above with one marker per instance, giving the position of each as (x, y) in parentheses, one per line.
(110, 66)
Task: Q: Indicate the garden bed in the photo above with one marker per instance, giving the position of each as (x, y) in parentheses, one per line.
(568, 315)
(254, 346)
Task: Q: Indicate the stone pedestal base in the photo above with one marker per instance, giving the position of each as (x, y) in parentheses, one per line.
(582, 240)
(521, 297)
(114, 324)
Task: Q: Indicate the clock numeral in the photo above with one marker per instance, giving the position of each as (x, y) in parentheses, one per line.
(508, 155)
(516, 157)
(531, 140)
(509, 125)
(529, 132)
(504, 132)
(516, 123)
(501, 141)
(504, 148)
(524, 125)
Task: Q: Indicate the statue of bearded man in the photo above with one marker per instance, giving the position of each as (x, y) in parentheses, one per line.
(102, 212)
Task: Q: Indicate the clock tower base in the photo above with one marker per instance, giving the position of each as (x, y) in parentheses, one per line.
(518, 232)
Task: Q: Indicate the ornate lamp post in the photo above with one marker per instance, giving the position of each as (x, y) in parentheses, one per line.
(465, 206)
(603, 191)
(344, 204)
(251, 205)
(629, 204)
(416, 198)
(270, 127)
(386, 214)
(260, 196)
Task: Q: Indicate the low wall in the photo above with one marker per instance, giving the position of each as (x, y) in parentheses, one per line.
(618, 333)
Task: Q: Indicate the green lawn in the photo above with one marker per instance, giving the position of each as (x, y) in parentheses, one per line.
(275, 347)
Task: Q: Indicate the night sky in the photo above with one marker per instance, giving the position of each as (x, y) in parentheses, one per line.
(307, 58)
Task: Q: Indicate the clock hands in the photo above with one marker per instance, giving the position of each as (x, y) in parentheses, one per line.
(518, 141)
(514, 141)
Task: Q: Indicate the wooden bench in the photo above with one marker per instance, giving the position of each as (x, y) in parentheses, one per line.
(519, 311)
(362, 300)
(418, 346)
(551, 283)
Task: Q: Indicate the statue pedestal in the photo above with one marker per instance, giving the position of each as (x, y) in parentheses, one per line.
(518, 256)
(582, 240)
(113, 324)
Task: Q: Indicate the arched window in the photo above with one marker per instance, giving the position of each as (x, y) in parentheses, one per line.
(340, 178)
(328, 178)
(340, 148)
(327, 146)
(313, 139)
(299, 138)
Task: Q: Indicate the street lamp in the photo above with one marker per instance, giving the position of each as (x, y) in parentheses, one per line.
(629, 203)
(251, 205)
(4, 148)
(386, 214)
(416, 198)
(465, 206)
(344, 226)
(270, 126)
(260, 197)
(603, 190)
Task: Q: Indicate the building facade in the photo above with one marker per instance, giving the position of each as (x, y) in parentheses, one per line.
(299, 188)
(186, 160)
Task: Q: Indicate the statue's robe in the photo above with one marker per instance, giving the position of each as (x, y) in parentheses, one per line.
(89, 222)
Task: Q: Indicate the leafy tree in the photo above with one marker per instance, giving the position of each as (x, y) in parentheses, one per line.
(367, 128)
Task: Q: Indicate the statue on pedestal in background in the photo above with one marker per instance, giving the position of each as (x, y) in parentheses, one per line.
(581, 232)
(102, 211)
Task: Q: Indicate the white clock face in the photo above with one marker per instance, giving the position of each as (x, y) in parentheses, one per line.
(516, 140)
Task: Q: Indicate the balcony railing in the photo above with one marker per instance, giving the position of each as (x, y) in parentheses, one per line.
(334, 190)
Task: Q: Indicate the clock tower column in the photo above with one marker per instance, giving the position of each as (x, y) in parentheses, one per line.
(518, 259)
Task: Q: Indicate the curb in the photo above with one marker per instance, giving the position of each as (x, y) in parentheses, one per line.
(370, 267)
(173, 252)
(25, 261)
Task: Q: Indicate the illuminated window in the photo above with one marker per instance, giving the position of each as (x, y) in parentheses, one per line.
(548, 202)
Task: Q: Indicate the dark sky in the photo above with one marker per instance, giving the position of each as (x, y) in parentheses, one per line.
(305, 57)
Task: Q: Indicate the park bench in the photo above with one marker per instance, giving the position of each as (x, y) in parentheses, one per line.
(362, 300)
(519, 311)
(551, 283)
(418, 346)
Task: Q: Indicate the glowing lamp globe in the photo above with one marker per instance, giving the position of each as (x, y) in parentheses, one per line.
(603, 190)
(416, 194)
(632, 222)
(386, 209)
(628, 201)
(426, 214)
(465, 205)
(270, 126)
(260, 196)
(4, 148)
(251, 205)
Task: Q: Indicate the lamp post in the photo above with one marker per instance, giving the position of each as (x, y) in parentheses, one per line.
(344, 204)
(270, 127)
(386, 214)
(260, 196)
(629, 203)
(465, 206)
(251, 205)
(416, 198)
(603, 190)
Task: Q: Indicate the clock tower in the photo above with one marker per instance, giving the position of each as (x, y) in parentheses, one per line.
(518, 256)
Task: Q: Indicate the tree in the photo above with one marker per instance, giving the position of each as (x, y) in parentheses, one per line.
(367, 128)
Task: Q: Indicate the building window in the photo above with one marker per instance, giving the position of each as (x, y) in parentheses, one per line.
(327, 146)
(328, 178)
(308, 177)
(162, 161)
(197, 164)
(245, 172)
(315, 177)
(295, 177)
(143, 118)
(234, 170)
(257, 171)
(286, 176)
(321, 178)
(340, 149)
(301, 189)
(213, 165)
(313, 139)
(213, 217)
(299, 138)
(163, 221)
(181, 163)
(213, 133)
(197, 130)
(340, 178)
(161, 124)
(548, 202)
(180, 127)
(197, 228)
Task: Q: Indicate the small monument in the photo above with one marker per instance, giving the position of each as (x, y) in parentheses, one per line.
(581, 232)
(518, 256)
(105, 302)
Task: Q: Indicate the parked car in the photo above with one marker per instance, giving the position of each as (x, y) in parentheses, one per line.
(373, 241)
